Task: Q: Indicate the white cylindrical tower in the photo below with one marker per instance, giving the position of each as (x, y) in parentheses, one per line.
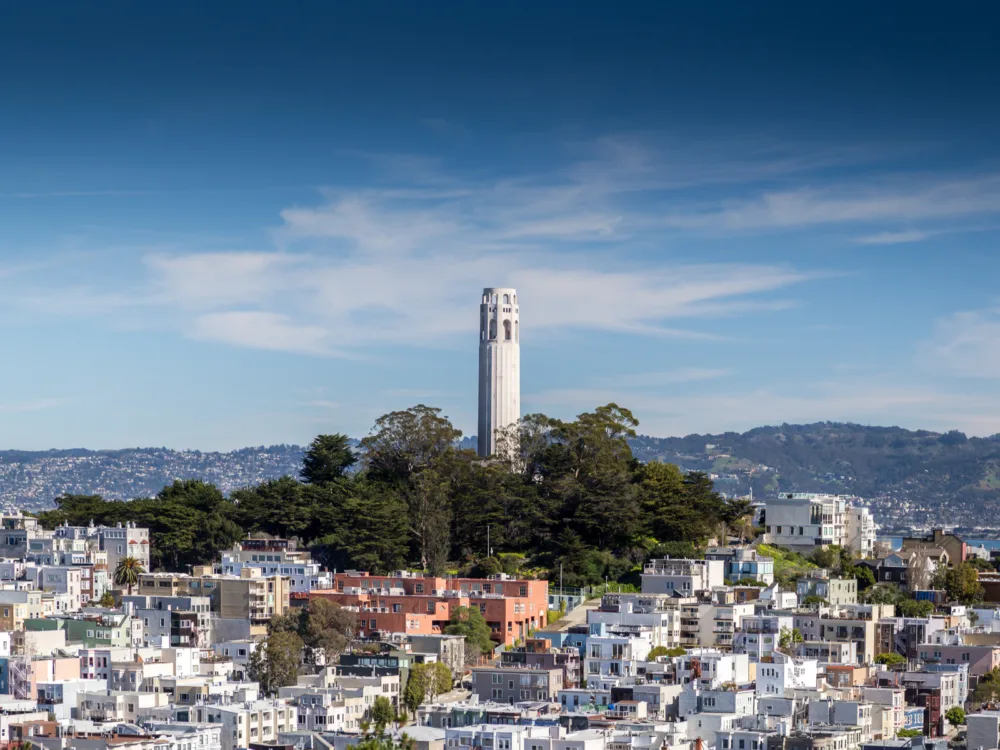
(499, 366)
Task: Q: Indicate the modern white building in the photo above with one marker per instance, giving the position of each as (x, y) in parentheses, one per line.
(804, 520)
(759, 635)
(660, 613)
(499, 365)
(682, 577)
(615, 655)
(786, 673)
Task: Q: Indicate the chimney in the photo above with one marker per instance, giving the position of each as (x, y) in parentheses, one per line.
(697, 743)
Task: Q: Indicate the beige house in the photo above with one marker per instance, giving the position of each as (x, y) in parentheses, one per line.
(249, 595)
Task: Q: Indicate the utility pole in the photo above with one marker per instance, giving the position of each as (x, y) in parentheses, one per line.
(489, 550)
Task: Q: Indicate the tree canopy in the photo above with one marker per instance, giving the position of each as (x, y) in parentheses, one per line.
(562, 495)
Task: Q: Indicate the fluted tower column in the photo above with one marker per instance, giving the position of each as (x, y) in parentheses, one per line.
(499, 365)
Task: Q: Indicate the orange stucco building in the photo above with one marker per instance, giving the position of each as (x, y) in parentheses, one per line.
(422, 605)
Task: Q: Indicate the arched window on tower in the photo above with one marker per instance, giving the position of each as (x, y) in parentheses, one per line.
(493, 328)
(506, 330)
(506, 299)
(516, 332)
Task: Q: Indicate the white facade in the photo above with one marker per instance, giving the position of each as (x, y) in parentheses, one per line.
(615, 656)
(892, 698)
(786, 673)
(684, 577)
(804, 520)
(499, 365)
(657, 612)
(861, 530)
(758, 636)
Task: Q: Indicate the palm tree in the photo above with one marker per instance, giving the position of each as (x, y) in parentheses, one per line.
(127, 572)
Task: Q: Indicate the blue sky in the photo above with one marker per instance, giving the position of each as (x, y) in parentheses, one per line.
(228, 224)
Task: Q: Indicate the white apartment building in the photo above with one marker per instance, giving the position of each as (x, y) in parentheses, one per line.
(842, 713)
(804, 520)
(694, 699)
(615, 655)
(892, 698)
(659, 613)
(861, 530)
(784, 674)
(758, 635)
(718, 623)
(714, 667)
(124, 541)
(496, 736)
(253, 721)
(59, 580)
(682, 577)
(303, 574)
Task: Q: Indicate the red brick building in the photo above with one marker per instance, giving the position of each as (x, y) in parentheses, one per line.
(412, 603)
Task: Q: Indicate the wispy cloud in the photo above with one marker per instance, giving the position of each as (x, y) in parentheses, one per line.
(262, 330)
(965, 344)
(864, 200)
(894, 238)
(589, 244)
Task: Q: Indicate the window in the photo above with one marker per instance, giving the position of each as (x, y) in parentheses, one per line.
(524, 590)
(493, 329)
(506, 330)
(515, 331)
(419, 588)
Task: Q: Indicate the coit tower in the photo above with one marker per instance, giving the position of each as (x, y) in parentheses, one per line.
(499, 366)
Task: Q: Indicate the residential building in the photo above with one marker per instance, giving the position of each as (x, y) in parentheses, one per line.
(682, 577)
(414, 604)
(507, 684)
(834, 591)
(803, 521)
(743, 563)
(785, 674)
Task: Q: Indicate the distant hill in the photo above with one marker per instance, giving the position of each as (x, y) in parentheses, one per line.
(912, 478)
(31, 479)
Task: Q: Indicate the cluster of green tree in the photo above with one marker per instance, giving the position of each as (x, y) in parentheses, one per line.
(658, 651)
(469, 622)
(425, 683)
(789, 565)
(961, 582)
(890, 659)
(841, 561)
(295, 638)
(562, 495)
(189, 521)
(905, 604)
(787, 638)
(322, 626)
(988, 688)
